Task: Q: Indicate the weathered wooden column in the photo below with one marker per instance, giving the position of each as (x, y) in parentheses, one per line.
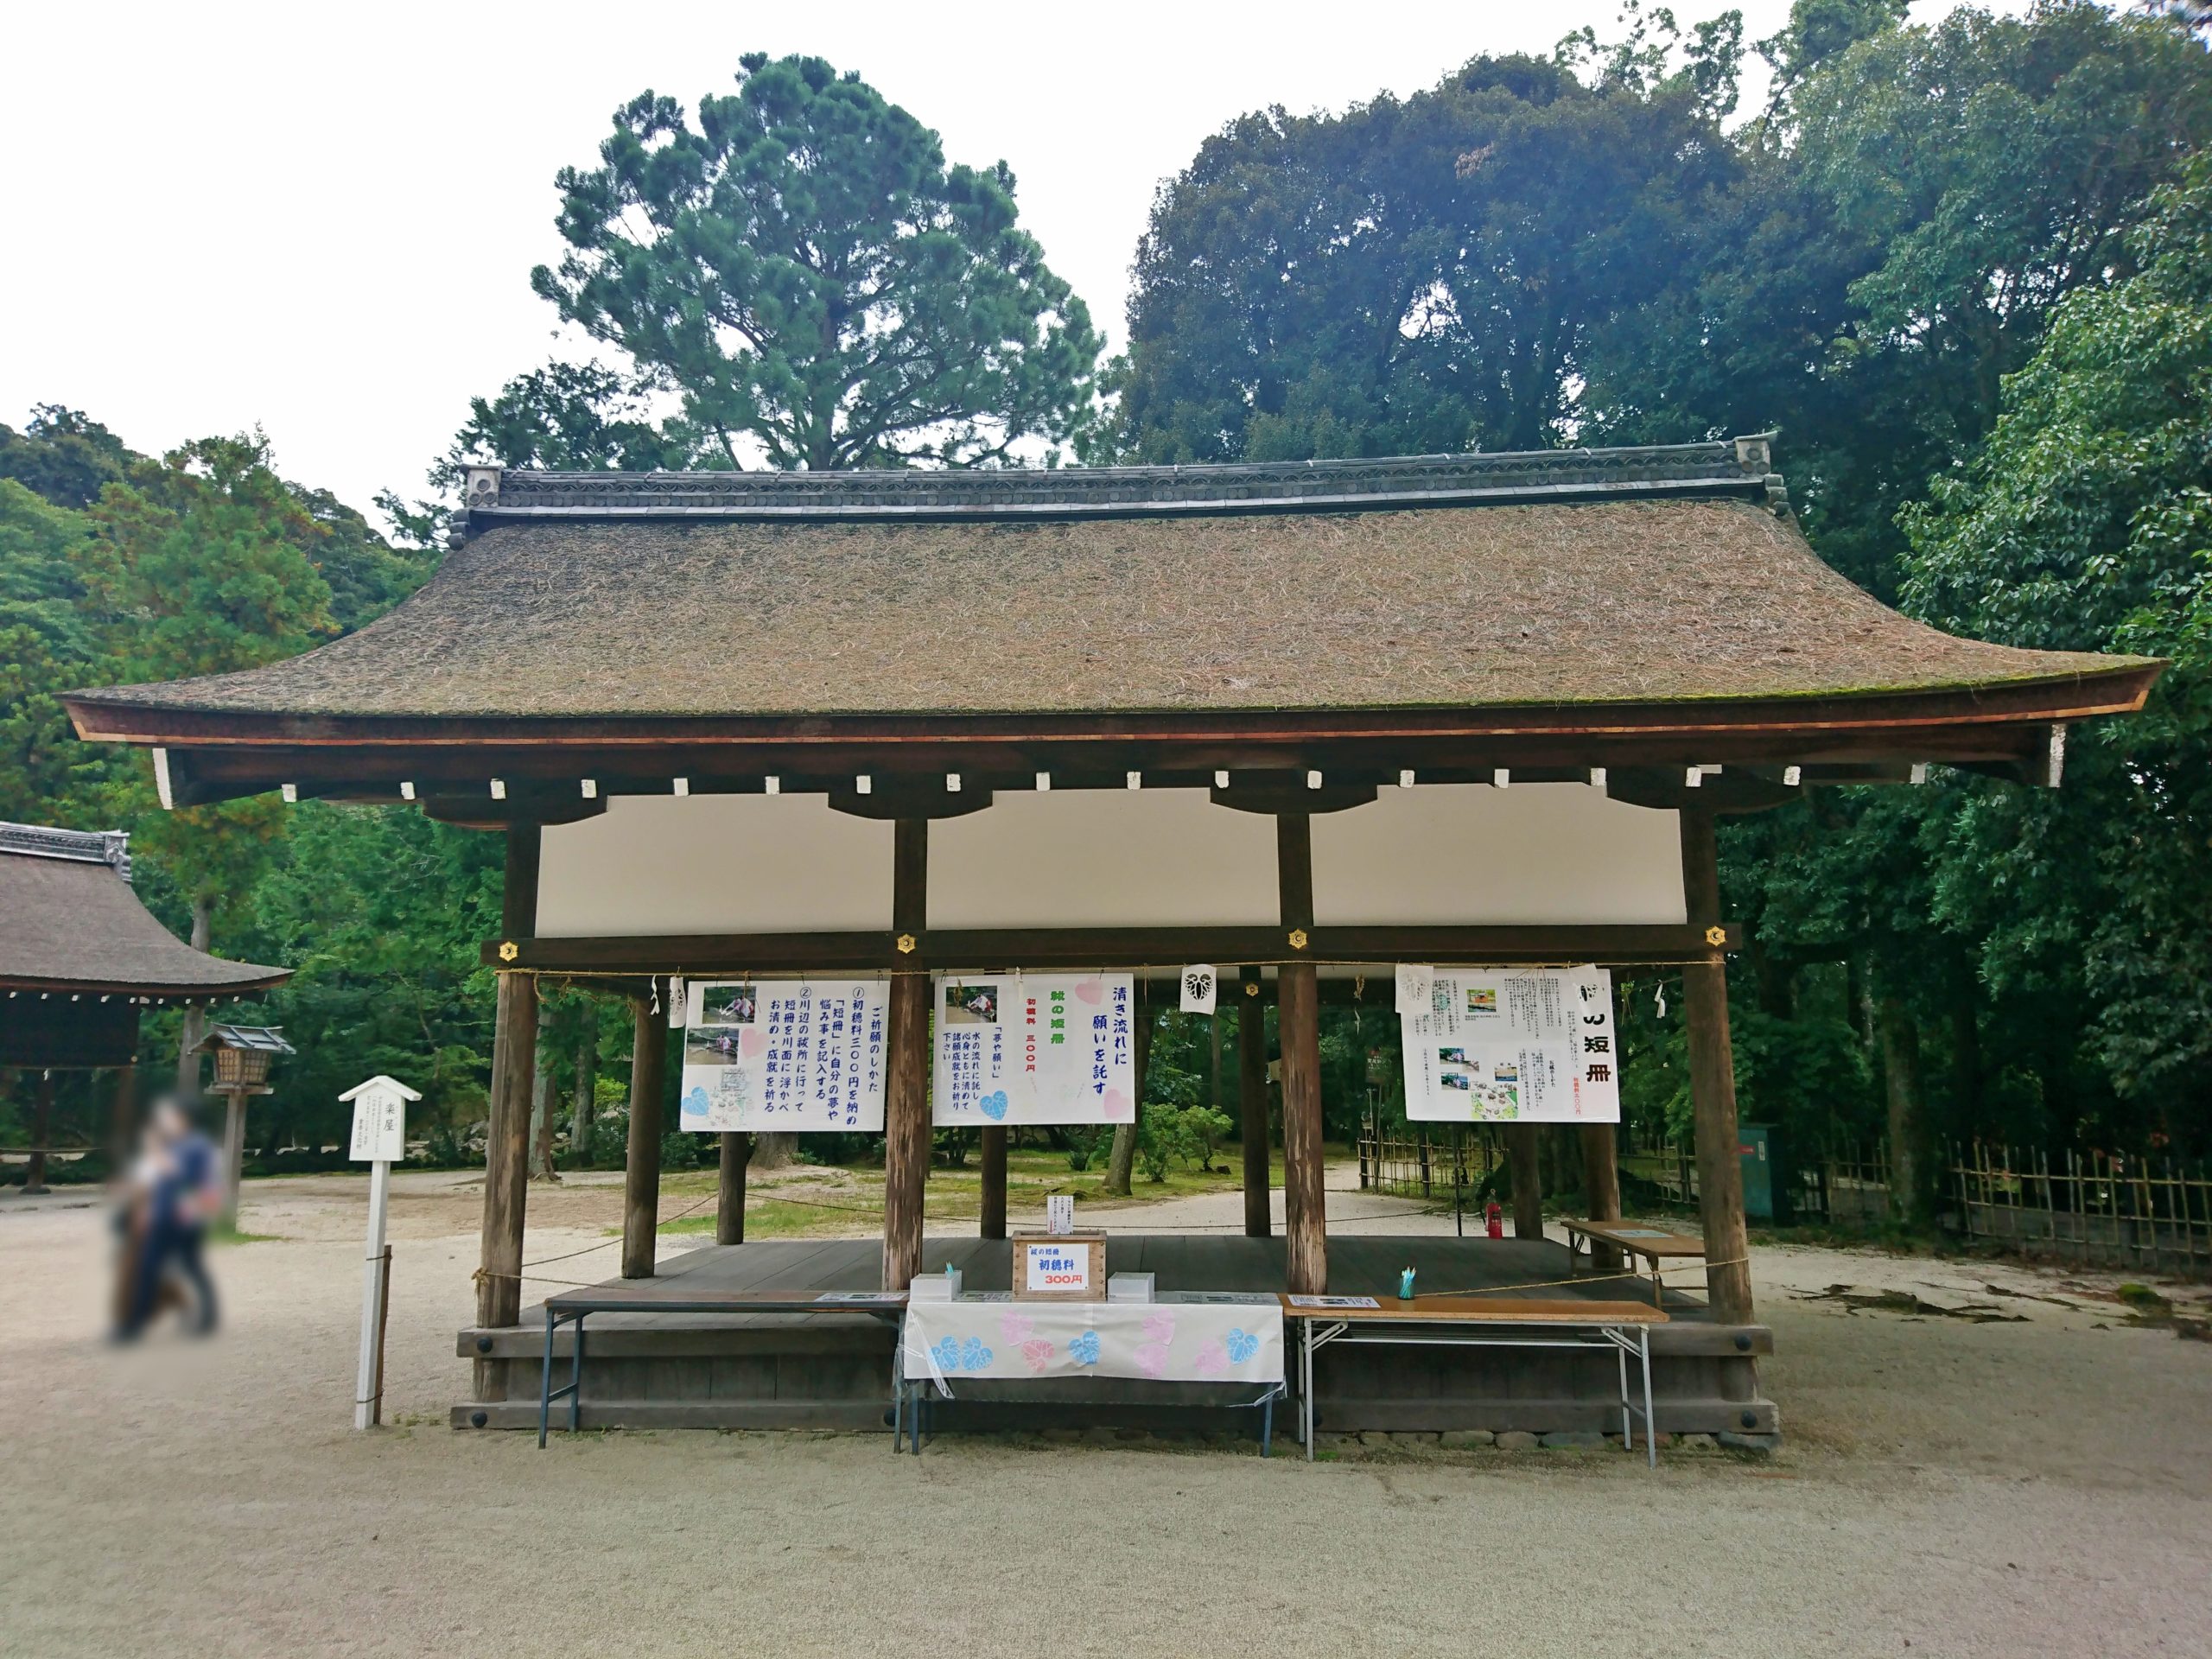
(1712, 1083)
(906, 1092)
(1601, 1186)
(993, 1152)
(1252, 1104)
(641, 1153)
(1306, 1221)
(506, 1130)
(1524, 1158)
(123, 1113)
(41, 1131)
(729, 1207)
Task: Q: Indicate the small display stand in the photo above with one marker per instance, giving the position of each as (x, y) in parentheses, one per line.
(1059, 1268)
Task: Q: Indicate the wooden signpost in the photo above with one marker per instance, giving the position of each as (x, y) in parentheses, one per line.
(380, 1137)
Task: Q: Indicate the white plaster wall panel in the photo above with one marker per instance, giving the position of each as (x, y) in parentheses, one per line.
(1442, 854)
(1104, 858)
(660, 864)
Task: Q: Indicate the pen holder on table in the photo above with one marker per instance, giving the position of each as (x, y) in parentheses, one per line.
(1406, 1285)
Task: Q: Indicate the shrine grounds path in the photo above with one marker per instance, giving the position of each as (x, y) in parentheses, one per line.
(1947, 1486)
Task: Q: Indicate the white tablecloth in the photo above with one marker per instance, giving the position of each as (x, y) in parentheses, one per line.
(1217, 1339)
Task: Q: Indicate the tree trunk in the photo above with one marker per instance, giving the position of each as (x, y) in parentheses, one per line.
(41, 1131)
(774, 1151)
(195, 1014)
(586, 1110)
(1910, 1183)
(541, 1105)
(1121, 1160)
(729, 1208)
(1524, 1157)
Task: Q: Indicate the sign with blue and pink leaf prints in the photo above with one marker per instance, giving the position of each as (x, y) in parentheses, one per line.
(1035, 1048)
(789, 1055)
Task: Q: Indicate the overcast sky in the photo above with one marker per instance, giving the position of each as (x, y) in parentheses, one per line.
(320, 219)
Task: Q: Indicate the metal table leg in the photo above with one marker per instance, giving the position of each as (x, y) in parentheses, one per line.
(1266, 1423)
(1306, 1387)
(1651, 1428)
(1620, 1353)
(545, 1383)
(576, 1380)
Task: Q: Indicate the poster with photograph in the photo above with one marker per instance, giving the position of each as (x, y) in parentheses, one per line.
(1035, 1048)
(1514, 1044)
(787, 1056)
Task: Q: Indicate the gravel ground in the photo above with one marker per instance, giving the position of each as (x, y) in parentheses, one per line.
(1952, 1487)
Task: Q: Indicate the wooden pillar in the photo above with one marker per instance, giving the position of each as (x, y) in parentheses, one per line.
(1252, 1102)
(906, 1093)
(993, 1154)
(641, 1153)
(123, 1115)
(506, 1130)
(729, 1207)
(1601, 1186)
(1524, 1157)
(1712, 1085)
(42, 1132)
(1298, 1033)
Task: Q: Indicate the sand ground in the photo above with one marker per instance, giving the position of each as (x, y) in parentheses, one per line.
(2030, 1487)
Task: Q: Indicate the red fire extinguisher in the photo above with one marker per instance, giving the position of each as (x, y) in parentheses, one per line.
(1494, 1219)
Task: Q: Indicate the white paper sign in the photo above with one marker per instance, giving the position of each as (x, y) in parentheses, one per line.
(1504, 1044)
(1199, 985)
(1416, 984)
(1035, 1048)
(678, 1006)
(1062, 1267)
(784, 1056)
(1059, 1214)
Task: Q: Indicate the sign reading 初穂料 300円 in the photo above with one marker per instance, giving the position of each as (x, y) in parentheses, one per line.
(1035, 1048)
(1514, 1044)
(784, 1056)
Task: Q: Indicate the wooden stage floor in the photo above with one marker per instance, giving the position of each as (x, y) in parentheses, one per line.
(719, 1371)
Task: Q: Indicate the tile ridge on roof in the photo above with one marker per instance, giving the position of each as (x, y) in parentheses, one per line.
(1729, 467)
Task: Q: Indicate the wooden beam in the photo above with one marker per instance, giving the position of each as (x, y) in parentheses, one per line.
(906, 1093)
(1712, 1087)
(993, 1154)
(895, 798)
(1276, 798)
(729, 1205)
(641, 1155)
(1298, 1033)
(1252, 1102)
(970, 950)
(506, 1129)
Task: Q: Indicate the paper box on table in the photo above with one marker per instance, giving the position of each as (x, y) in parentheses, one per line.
(1067, 1269)
(934, 1287)
(1129, 1287)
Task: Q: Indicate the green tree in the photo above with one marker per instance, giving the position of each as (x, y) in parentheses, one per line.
(45, 775)
(200, 566)
(1433, 274)
(813, 282)
(2086, 523)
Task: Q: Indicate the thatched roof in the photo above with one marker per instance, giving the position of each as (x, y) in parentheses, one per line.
(1573, 578)
(70, 922)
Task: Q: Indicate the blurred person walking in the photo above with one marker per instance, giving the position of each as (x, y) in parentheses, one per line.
(175, 1189)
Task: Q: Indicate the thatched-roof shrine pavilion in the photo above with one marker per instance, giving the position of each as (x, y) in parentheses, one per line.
(1458, 708)
(81, 959)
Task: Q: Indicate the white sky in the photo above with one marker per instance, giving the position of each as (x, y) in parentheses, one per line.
(320, 219)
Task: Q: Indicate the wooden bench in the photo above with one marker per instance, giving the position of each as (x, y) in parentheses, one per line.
(1654, 1244)
(1477, 1321)
(674, 1296)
